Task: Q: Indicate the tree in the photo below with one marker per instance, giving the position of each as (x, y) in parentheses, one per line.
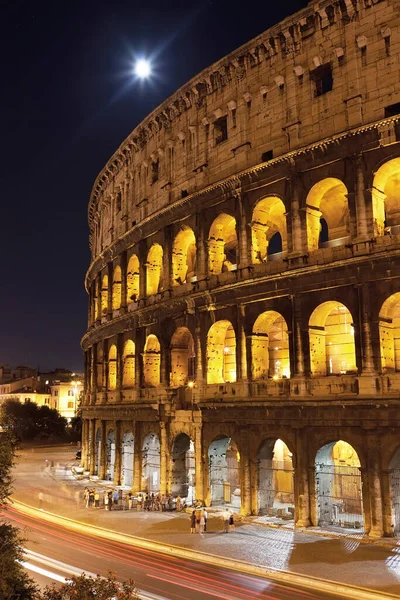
(90, 588)
(28, 421)
(15, 584)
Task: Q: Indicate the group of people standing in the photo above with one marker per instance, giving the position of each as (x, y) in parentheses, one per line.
(110, 498)
(198, 521)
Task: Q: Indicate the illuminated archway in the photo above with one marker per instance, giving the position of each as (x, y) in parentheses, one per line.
(183, 468)
(221, 353)
(275, 480)
(327, 214)
(151, 463)
(338, 486)
(99, 368)
(128, 360)
(127, 455)
(386, 198)
(112, 368)
(270, 347)
(268, 222)
(394, 476)
(182, 357)
(154, 270)
(104, 295)
(116, 288)
(389, 333)
(332, 347)
(110, 456)
(133, 279)
(152, 361)
(222, 245)
(224, 472)
(183, 257)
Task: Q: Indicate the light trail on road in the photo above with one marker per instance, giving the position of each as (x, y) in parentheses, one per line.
(63, 553)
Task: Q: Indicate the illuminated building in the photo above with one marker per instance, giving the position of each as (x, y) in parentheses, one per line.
(243, 344)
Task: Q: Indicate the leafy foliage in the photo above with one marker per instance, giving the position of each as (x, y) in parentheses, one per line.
(28, 421)
(89, 588)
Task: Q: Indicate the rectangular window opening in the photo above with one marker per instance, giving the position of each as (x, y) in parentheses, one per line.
(392, 110)
(323, 79)
(221, 130)
(266, 156)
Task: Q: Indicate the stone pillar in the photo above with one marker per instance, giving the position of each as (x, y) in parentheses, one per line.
(110, 274)
(201, 250)
(85, 444)
(167, 259)
(375, 486)
(164, 364)
(139, 349)
(98, 283)
(137, 459)
(245, 483)
(243, 240)
(164, 458)
(118, 453)
(103, 448)
(388, 518)
(198, 457)
(301, 481)
(200, 370)
(241, 358)
(92, 442)
(120, 352)
(297, 244)
(254, 484)
(298, 340)
(367, 360)
(124, 281)
(361, 212)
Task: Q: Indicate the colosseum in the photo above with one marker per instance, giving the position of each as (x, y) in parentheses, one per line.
(243, 343)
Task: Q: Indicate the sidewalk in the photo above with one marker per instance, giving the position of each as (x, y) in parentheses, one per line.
(340, 559)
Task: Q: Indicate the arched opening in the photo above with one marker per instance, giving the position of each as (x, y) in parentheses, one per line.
(127, 451)
(222, 245)
(99, 369)
(116, 288)
(184, 257)
(154, 270)
(98, 451)
(151, 463)
(152, 361)
(338, 486)
(327, 214)
(183, 468)
(386, 198)
(270, 347)
(268, 230)
(275, 481)
(182, 357)
(128, 360)
(112, 368)
(132, 279)
(332, 347)
(104, 295)
(221, 353)
(224, 472)
(110, 456)
(394, 475)
(389, 333)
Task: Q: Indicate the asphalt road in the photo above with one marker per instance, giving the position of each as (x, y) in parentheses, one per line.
(54, 553)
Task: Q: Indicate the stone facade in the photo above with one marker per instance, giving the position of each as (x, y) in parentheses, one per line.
(243, 344)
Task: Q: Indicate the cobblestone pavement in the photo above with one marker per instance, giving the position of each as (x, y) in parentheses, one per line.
(339, 558)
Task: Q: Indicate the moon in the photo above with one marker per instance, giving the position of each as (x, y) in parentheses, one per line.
(142, 68)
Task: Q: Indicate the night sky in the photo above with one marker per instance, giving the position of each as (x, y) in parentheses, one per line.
(68, 101)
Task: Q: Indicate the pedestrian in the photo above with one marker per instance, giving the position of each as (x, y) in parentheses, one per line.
(86, 497)
(110, 500)
(202, 522)
(40, 497)
(231, 522)
(97, 499)
(130, 501)
(225, 518)
(116, 497)
(205, 514)
(178, 503)
(91, 498)
(193, 522)
(198, 515)
(106, 501)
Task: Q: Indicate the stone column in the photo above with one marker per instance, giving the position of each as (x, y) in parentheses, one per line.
(118, 453)
(201, 250)
(103, 447)
(164, 364)
(367, 359)
(164, 458)
(92, 442)
(98, 283)
(297, 362)
(243, 242)
(375, 486)
(124, 275)
(301, 482)
(137, 459)
(167, 259)
(361, 212)
(142, 271)
(254, 486)
(198, 456)
(110, 273)
(85, 444)
(241, 359)
(245, 484)
(297, 243)
(388, 518)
